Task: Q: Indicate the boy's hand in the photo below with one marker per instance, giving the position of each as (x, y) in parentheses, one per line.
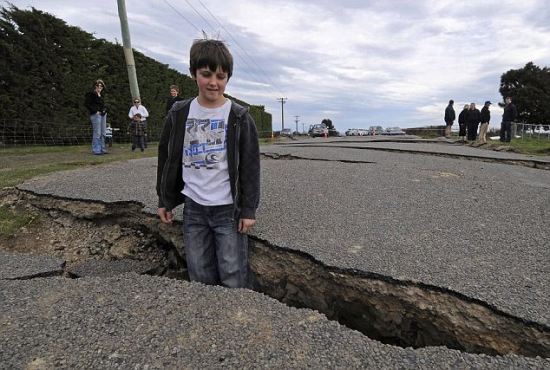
(165, 215)
(245, 225)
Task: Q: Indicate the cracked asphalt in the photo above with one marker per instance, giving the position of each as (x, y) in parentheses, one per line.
(474, 227)
(141, 322)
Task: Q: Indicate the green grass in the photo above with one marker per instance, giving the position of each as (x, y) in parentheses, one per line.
(530, 145)
(11, 221)
(29, 150)
(527, 145)
(22, 163)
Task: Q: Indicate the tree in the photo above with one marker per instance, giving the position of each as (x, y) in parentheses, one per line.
(529, 88)
(47, 67)
(327, 122)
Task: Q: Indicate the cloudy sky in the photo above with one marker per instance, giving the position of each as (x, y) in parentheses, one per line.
(357, 62)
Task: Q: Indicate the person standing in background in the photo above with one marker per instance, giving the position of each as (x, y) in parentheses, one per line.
(473, 118)
(462, 122)
(449, 118)
(98, 116)
(138, 115)
(485, 118)
(174, 97)
(509, 115)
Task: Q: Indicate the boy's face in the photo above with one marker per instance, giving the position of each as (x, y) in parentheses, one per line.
(173, 92)
(211, 86)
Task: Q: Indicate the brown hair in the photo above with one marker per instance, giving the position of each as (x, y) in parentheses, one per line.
(174, 87)
(211, 54)
(100, 82)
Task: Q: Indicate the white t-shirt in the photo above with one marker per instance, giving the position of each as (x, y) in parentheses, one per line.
(205, 171)
(141, 110)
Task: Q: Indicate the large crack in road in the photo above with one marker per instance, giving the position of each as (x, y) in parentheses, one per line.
(531, 163)
(402, 313)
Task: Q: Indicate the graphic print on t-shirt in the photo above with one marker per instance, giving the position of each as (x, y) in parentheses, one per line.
(204, 144)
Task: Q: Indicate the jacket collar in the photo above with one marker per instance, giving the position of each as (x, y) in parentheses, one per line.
(236, 108)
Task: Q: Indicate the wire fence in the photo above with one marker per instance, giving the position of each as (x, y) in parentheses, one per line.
(525, 130)
(19, 132)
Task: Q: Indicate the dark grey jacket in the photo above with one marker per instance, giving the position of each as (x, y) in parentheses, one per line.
(449, 114)
(510, 113)
(485, 115)
(243, 157)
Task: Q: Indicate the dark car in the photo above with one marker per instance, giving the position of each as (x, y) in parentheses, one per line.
(318, 130)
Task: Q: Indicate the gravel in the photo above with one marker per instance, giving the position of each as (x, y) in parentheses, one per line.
(17, 266)
(140, 322)
(110, 268)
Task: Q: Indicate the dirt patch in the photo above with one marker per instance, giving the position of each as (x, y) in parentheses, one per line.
(76, 236)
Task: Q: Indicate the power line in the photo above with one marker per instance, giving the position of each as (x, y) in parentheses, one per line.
(252, 70)
(181, 15)
(270, 82)
(256, 76)
(200, 15)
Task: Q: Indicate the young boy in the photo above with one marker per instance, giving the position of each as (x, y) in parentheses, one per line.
(209, 159)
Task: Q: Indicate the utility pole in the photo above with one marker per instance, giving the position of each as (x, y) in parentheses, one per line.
(283, 101)
(296, 117)
(127, 47)
(303, 127)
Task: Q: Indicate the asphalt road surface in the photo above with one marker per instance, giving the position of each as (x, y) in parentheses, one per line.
(477, 228)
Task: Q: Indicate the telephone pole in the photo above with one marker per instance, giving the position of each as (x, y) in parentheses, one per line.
(296, 117)
(283, 101)
(127, 47)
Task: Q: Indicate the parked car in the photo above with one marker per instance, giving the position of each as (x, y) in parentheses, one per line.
(394, 131)
(318, 130)
(351, 132)
(286, 132)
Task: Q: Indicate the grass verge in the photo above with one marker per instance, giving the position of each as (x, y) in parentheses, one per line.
(532, 146)
(11, 220)
(22, 163)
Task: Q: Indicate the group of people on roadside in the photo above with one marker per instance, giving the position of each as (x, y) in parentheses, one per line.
(470, 118)
(95, 104)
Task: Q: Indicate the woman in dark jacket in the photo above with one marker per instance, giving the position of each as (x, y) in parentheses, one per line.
(98, 116)
(462, 122)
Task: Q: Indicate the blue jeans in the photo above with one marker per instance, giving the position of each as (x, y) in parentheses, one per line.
(216, 253)
(99, 125)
